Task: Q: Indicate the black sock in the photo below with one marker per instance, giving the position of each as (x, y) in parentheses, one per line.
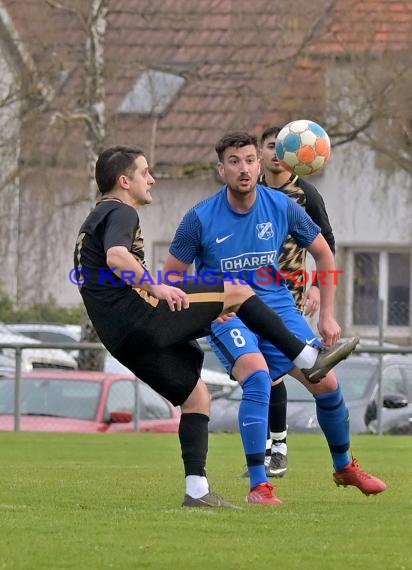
(193, 435)
(260, 319)
(277, 410)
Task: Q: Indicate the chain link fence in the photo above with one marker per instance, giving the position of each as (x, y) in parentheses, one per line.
(72, 400)
(53, 399)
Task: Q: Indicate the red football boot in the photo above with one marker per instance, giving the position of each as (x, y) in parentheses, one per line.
(263, 494)
(354, 475)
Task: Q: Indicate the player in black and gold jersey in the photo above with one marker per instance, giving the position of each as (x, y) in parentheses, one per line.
(150, 327)
(292, 259)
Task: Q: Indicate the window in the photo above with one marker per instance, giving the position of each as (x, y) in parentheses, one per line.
(373, 275)
(393, 381)
(122, 398)
(398, 289)
(152, 93)
(407, 373)
(365, 288)
(52, 397)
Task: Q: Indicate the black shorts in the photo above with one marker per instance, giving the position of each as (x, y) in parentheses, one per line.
(161, 351)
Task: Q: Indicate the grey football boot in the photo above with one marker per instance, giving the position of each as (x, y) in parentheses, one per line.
(278, 465)
(211, 499)
(328, 357)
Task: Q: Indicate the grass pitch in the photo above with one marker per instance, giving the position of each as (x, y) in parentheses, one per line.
(113, 501)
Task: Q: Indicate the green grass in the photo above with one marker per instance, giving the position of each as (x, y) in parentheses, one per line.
(113, 501)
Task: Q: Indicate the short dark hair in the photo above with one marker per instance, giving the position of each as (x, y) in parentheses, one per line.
(236, 139)
(112, 163)
(269, 132)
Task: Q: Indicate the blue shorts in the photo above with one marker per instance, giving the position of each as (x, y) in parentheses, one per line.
(233, 339)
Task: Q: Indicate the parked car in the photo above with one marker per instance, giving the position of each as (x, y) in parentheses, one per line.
(50, 332)
(34, 358)
(79, 401)
(358, 378)
(47, 332)
(213, 372)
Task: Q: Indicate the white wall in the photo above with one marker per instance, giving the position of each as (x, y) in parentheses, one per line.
(366, 205)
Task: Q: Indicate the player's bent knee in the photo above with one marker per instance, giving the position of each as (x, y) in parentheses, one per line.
(256, 387)
(327, 384)
(198, 401)
(247, 364)
(277, 381)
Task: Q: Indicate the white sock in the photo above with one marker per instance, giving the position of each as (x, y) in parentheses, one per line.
(306, 358)
(196, 486)
(280, 448)
(277, 436)
(268, 444)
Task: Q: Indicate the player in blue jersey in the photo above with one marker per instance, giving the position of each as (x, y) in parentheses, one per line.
(241, 230)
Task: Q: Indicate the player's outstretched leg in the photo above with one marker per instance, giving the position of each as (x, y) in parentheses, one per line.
(260, 319)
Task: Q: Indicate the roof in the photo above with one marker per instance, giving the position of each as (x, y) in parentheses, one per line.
(369, 26)
(235, 64)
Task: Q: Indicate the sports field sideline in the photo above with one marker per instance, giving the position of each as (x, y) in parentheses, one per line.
(113, 501)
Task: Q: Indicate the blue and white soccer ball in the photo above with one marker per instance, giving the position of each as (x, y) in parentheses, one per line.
(303, 147)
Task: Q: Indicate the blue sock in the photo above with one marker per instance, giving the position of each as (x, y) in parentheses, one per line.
(333, 418)
(253, 421)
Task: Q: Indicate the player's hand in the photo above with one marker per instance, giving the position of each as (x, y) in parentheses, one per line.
(311, 300)
(226, 317)
(329, 330)
(174, 297)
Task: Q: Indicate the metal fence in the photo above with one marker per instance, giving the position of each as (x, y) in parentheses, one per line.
(77, 400)
(391, 401)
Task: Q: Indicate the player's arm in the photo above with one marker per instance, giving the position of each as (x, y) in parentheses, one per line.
(325, 267)
(174, 269)
(316, 209)
(184, 248)
(307, 234)
(126, 266)
(119, 232)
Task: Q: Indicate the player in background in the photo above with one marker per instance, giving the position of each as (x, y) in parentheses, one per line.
(240, 230)
(292, 259)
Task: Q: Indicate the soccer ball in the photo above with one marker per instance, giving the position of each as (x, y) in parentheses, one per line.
(303, 147)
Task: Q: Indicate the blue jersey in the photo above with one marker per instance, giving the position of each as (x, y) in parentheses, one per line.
(246, 245)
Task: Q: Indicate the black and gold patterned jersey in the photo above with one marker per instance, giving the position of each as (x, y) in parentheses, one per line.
(293, 257)
(137, 247)
(111, 223)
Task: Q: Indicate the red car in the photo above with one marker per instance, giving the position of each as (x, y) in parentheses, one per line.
(79, 401)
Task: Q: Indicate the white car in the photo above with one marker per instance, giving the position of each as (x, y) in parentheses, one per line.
(45, 332)
(34, 358)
